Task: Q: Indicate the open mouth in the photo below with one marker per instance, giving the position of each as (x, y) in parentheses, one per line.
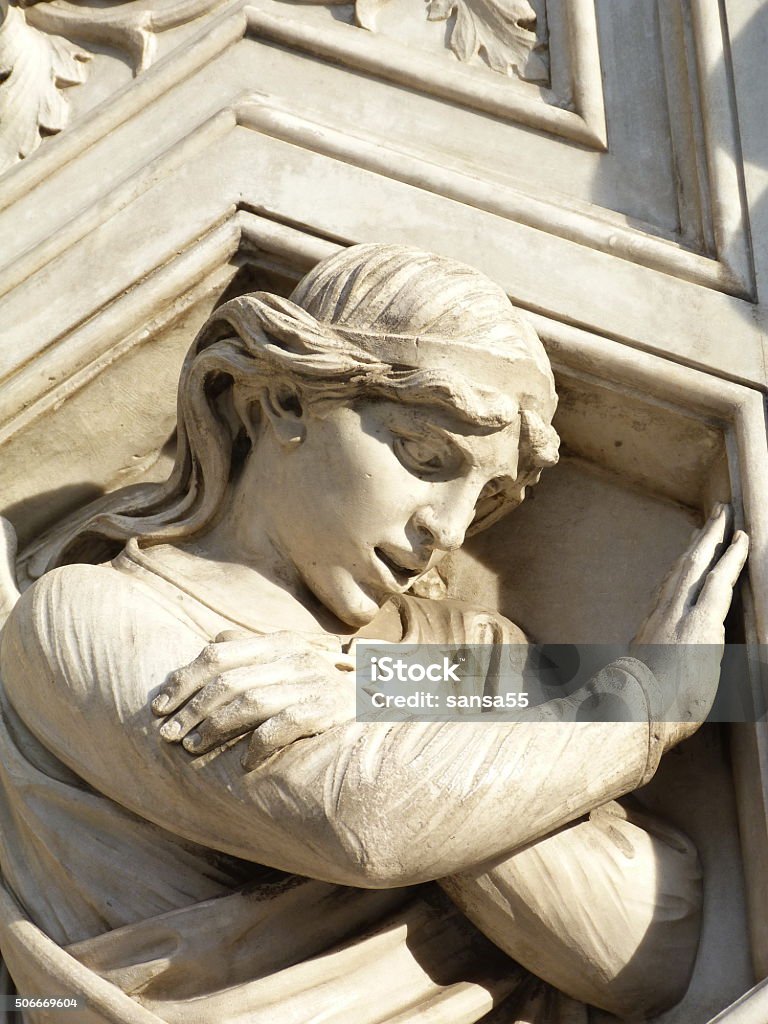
(403, 575)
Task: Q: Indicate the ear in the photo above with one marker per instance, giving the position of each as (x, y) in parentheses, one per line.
(283, 410)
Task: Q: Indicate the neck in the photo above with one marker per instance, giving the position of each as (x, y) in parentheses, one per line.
(250, 593)
(239, 565)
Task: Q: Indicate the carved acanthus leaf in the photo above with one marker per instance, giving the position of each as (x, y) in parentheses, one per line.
(34, 69)
(37, 62)
(502, 31)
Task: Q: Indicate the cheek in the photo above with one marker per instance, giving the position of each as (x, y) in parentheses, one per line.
(354, 482)
(363, 488)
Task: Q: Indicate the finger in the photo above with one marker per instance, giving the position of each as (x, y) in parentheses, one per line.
(291, 640)
(212, 662)
(699, 560)
(717, 593)
(246, 712)
(671, 583)
(316, 666)
(218, 658)
(669, 586)
(261, 704)
(293, 672)
(219, 691)
(292, 724)
(352, 645)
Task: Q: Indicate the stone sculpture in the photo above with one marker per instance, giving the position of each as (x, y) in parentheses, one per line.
(193, 823)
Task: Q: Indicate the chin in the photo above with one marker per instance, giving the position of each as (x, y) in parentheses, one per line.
(357, 619)
(349, 602)
(358, 614)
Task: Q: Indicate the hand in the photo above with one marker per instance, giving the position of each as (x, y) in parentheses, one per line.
(690, 609)
(284, 685)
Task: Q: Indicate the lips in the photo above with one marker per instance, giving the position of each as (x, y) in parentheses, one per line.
(403, 575)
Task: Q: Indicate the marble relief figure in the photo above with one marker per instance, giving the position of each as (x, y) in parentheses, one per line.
(193, 824)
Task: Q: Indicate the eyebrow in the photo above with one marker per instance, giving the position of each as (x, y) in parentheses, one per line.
(460, 443)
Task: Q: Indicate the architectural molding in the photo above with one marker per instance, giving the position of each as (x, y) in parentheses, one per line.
(219, 34)
(579, 117)
(239, 141)
(713, 250)
(705, 137)
(503, 33)
(577, 222)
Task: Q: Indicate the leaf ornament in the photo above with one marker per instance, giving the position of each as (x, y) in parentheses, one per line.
(34, 69)
(499, 30)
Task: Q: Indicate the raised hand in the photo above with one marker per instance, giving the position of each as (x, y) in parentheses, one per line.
(682, 640)
(282, 687)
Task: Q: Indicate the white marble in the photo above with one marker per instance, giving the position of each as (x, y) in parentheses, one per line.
(606, 168)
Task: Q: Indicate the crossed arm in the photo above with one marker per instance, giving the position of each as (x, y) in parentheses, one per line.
(368, 804)
(373, 805)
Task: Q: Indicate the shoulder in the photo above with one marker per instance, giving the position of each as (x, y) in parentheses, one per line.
(75, 597)
(70, 582)
(85, 591)
(47, 608)
(83, 629)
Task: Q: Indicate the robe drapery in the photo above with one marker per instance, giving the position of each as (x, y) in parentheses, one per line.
(150, 868)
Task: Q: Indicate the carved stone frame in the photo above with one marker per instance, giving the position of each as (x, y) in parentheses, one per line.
(155, 134)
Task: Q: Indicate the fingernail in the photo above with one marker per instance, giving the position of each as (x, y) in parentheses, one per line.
(192, 742)
(159, 704)
(170, 731)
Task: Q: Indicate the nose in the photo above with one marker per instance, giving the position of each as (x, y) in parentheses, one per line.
(443, 524)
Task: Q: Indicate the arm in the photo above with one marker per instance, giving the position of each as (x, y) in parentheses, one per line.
(607, 910)
(373, 805)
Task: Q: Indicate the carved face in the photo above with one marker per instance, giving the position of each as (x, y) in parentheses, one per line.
(373, 496)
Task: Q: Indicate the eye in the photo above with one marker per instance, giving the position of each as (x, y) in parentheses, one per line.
(421, 456)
